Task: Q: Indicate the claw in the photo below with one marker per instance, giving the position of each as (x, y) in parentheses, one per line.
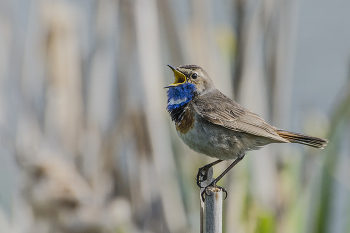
(202, 195)
(225, 191)
(205, 193)
(213, 184)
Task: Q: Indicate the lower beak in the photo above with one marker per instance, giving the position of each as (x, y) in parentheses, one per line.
(180, 78)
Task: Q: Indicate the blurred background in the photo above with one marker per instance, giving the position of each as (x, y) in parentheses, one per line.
(86, 144)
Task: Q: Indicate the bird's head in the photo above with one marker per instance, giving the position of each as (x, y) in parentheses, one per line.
(190, 80)
(191, 74)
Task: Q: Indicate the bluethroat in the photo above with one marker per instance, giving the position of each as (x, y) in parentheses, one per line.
(212, 124)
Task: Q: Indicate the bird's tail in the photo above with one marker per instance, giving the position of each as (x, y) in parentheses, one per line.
(302, 139)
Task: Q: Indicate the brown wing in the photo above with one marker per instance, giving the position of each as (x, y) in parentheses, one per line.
(221, 110)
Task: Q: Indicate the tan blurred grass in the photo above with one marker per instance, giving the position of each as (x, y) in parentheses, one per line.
(83, 114)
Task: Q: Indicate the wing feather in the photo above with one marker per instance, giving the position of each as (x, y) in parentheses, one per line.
(218, 109)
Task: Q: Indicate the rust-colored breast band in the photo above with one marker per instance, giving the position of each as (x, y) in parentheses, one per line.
(186, 123)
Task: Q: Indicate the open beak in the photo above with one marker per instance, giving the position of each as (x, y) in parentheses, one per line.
(180, 78)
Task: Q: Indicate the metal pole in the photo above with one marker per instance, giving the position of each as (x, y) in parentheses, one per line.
(211, 209)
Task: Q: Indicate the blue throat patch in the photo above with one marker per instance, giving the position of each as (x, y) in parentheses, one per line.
(180, 95)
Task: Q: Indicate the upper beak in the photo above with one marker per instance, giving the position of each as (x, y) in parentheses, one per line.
(180, 78)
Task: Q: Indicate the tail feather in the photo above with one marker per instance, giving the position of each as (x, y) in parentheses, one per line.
(302, 139)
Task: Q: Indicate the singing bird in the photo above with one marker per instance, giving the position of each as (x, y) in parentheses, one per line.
(212, 124)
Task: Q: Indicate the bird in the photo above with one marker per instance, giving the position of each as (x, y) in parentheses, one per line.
(212, 124)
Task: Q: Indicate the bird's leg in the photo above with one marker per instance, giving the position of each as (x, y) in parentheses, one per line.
(213, 183)
(202, 174)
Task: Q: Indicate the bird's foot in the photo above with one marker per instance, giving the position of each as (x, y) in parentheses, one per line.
(212, 185)
(202, 175)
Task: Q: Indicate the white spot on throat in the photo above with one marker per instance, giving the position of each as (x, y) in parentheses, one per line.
(179, 101)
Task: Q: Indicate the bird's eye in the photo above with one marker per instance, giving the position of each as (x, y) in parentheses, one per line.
(194, 75)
